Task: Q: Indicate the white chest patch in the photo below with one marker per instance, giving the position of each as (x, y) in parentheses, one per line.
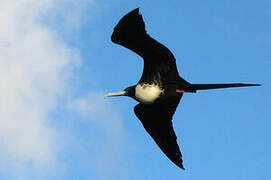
(147, 93)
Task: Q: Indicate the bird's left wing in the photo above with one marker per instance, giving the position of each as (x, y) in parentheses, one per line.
(130, 32)
(156, 119)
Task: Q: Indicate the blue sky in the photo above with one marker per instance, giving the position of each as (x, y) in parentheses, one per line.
(57, 62)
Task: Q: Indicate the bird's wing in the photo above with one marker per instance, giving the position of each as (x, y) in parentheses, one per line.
(130, 32)
(157, 121)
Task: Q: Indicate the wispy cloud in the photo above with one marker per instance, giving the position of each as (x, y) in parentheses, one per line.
(110, 147)
(35, 66)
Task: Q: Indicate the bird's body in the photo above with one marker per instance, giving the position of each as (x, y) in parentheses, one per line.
(148, 93)
(160, 87)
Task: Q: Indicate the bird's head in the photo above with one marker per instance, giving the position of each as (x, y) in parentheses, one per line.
(130, 91)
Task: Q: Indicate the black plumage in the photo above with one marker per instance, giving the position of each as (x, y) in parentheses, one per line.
(160, 87)
(156, 119)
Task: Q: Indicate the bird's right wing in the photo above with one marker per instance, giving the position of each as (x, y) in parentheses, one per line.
(130, 32)
(156, 119)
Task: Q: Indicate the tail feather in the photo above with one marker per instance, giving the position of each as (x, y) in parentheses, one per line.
(218, 86)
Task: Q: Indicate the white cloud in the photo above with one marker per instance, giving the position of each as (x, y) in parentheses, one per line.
(35, 71)
(35, 66)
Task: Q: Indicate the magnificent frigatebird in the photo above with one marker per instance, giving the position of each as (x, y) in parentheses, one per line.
(160, 87)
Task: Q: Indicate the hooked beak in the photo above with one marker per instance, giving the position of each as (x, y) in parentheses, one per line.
(122, 93)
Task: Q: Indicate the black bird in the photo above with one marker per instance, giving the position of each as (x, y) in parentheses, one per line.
(160, 88)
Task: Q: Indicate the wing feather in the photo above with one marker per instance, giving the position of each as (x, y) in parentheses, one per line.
(157, 121)
(130, 32)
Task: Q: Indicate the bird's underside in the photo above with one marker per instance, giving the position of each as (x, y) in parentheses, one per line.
(159, 62)
(160, 69)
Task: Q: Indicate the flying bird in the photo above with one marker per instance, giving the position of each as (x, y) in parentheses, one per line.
(160, 87)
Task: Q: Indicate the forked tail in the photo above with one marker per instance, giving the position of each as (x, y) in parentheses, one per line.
(218, 86)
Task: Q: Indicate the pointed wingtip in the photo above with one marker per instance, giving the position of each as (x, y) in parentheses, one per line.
(136, 11)
(179, 164)
(178, 161)
(181, 167)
